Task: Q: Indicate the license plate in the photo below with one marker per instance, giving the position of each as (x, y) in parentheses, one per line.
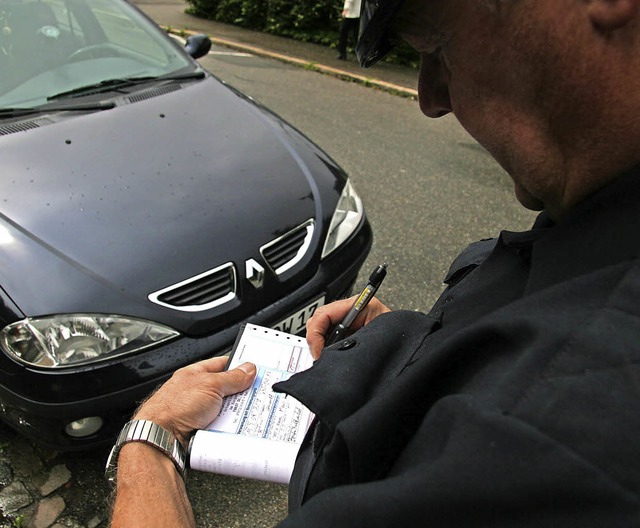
(296, 322)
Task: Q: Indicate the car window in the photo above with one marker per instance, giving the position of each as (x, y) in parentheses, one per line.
(124, 28)
(60, 16)
(51, 46)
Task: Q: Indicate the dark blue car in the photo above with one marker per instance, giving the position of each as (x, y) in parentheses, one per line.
(147, 210)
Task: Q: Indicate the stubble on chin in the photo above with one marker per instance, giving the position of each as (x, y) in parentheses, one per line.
(527, 199)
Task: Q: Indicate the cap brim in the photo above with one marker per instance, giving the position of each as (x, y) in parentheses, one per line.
(376, 20)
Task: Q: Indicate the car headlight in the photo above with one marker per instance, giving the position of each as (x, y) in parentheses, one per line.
(76, 339)
(346, 219)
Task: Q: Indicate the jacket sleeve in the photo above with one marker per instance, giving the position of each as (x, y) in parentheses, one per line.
(472, 466)
(524, 419)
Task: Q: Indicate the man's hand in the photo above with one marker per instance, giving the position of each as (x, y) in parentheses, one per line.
(150, 492)
(326, 317)
(192, 398)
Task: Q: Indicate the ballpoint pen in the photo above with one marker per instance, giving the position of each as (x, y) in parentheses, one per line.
(361, 301)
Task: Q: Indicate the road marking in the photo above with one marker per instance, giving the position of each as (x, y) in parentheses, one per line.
(231, 53)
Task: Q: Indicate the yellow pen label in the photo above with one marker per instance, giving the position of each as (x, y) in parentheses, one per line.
(364, 296)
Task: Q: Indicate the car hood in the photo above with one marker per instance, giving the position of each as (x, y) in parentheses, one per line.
(100, 210)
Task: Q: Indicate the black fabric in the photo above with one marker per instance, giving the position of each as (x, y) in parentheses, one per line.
(347, 26)
(514, 402)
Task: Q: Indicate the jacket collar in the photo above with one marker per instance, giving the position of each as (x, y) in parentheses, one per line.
(602, 231)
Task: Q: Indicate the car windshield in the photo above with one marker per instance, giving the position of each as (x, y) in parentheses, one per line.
(49, 47)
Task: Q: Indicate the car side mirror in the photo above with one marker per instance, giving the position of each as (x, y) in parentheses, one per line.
(197, 45)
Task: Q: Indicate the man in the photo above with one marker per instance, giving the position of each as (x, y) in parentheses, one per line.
(349, 25)
(513, 402)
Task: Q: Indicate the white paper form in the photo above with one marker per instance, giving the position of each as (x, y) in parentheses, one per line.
(258, 432)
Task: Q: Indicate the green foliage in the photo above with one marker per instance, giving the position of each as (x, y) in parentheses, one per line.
(306, 20)
(404, 54)
(242, 13)
(316, 21)
(203, 8)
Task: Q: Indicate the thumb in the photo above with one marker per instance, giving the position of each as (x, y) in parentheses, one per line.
(237, 379)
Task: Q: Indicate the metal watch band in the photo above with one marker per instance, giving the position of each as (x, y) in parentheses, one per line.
(149, 433)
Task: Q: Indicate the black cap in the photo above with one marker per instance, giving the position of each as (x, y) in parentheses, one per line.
(376, 20)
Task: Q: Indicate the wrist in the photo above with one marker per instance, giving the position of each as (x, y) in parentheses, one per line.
(161, 420)
(137, 457)
(155, 436)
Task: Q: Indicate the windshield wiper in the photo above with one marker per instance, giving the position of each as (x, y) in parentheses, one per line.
(41, 109)
(110, 85)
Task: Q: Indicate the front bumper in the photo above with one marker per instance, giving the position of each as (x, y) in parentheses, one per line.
(41, 404)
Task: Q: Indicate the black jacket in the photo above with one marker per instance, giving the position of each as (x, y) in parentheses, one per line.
(515, 402)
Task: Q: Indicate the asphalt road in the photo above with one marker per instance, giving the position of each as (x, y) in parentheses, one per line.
(428, 189)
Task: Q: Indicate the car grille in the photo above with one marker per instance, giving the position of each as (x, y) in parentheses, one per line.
(219, 286)
(149, 94)
(286, 251)
(202, 292)
(23, 126)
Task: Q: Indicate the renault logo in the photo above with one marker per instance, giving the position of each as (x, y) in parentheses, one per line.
(255, 273)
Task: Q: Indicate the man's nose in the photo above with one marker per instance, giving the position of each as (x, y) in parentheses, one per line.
(433, 87)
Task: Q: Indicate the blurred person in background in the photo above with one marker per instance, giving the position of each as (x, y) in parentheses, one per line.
(348, 25)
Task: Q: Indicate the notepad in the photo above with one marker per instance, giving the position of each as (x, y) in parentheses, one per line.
(258, 432)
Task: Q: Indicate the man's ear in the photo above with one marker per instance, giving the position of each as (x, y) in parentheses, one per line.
(609, 15)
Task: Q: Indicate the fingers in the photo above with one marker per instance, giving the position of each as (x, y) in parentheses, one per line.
(237, 379)
(193, 396)
(210, 373)
(326, 317)
(323, 320)
(229, 382)
(373, 310)
(214, 364)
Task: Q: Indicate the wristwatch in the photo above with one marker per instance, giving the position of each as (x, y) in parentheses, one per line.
(149, 433)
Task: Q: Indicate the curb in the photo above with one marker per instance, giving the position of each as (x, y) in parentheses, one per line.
(308, 65)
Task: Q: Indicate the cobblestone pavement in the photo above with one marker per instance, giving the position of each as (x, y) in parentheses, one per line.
(40, 488)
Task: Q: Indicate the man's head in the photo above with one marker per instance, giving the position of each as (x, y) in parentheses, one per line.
(378, 28)
(549, 87)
